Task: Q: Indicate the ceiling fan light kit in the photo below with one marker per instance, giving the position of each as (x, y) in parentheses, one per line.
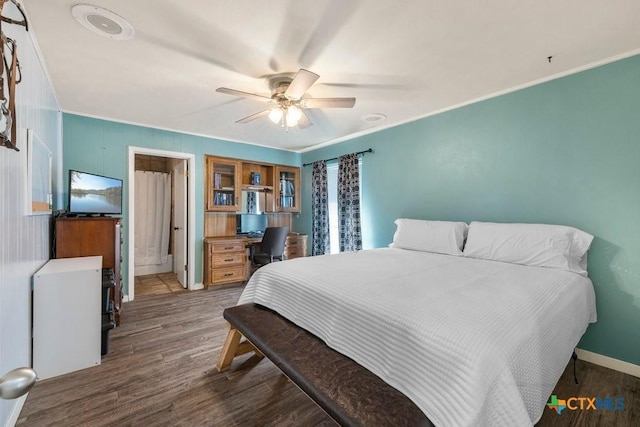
(287, 95)
(286, 116)
(293, 115)
(275, 115)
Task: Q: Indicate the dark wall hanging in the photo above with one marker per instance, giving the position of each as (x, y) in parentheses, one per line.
(10, 67)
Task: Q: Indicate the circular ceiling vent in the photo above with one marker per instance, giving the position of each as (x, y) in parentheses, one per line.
(373, 117)
(102, 22)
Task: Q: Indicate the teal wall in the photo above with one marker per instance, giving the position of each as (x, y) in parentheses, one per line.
(101, 147)
(563, 152)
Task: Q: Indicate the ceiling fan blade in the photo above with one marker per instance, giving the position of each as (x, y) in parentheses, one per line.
(336, 16)
(243, 94)
(253, 116)
(328, 103)
(304, 121)
(300, 84)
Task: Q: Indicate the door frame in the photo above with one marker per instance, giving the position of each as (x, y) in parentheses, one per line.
(191, 214)
(179, 179)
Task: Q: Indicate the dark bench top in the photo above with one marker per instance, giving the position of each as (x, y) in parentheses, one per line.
(349, 393)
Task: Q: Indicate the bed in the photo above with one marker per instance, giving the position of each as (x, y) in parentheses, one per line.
(471, 338)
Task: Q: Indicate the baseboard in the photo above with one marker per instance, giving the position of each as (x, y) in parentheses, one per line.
(608, 362)
(15, 412)
(196, 287)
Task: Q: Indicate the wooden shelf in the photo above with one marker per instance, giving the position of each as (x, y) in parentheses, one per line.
(257, 187)
(222, 178)
(229, 180)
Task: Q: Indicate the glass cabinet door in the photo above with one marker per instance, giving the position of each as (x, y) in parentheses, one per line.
(223, 183)
(288, 189)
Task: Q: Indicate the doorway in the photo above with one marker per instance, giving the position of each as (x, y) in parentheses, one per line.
(162, 170)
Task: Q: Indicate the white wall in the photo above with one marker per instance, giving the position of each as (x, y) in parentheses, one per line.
(24, 240)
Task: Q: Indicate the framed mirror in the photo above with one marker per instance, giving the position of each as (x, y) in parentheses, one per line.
(39, 195)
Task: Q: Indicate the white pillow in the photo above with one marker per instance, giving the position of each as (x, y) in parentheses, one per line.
(443, 237)
(541, 245)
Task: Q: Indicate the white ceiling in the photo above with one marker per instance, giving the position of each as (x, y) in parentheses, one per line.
(405, 59)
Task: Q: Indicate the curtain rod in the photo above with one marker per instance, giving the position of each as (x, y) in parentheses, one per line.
(370, 150)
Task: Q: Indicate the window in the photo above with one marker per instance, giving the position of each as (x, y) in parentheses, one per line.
(332, 189)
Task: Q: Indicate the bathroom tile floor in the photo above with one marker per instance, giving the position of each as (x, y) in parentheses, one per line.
(157, 284)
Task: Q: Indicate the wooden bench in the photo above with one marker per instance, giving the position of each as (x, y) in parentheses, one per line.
(349, 393)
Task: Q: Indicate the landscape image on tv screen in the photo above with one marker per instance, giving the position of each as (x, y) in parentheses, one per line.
(95, 194)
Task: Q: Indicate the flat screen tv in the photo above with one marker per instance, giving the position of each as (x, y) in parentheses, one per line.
(91, 194)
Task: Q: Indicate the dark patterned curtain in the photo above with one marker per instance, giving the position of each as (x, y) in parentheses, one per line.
(320, 244)
(252, 204)
(349, 203)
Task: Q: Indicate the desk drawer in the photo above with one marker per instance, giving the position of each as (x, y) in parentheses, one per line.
(294, 252)
(228, 274)
(229, 246)
(292, 241)
(227, 259)
(296, 246)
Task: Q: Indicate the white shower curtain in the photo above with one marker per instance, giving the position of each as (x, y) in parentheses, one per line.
(152, 215)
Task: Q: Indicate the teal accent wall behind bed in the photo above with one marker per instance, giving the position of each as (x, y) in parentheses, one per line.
(101, 147)
(562, 152)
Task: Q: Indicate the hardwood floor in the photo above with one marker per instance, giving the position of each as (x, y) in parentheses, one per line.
(160, 370)
(595, 381)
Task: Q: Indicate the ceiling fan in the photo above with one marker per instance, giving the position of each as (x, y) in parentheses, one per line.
(287, 100)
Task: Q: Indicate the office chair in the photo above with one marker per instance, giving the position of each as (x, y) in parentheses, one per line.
(271, 248)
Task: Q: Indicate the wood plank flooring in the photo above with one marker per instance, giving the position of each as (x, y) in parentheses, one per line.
(160, 371)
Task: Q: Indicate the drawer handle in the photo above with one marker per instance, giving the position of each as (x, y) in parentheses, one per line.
(228, 260)
(228, 247)
(228, 274)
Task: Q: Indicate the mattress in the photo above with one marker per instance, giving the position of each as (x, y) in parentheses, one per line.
(470, 342)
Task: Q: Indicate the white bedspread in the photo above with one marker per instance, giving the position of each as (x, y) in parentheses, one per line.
(470, 342)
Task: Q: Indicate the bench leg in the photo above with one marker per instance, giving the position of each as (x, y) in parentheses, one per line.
(233, 347)
(229, 349)
(247, 347)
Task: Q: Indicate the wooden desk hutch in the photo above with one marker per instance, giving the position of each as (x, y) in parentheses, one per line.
(225, 252)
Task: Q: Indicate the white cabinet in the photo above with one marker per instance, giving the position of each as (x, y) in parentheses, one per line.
(67, 319)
